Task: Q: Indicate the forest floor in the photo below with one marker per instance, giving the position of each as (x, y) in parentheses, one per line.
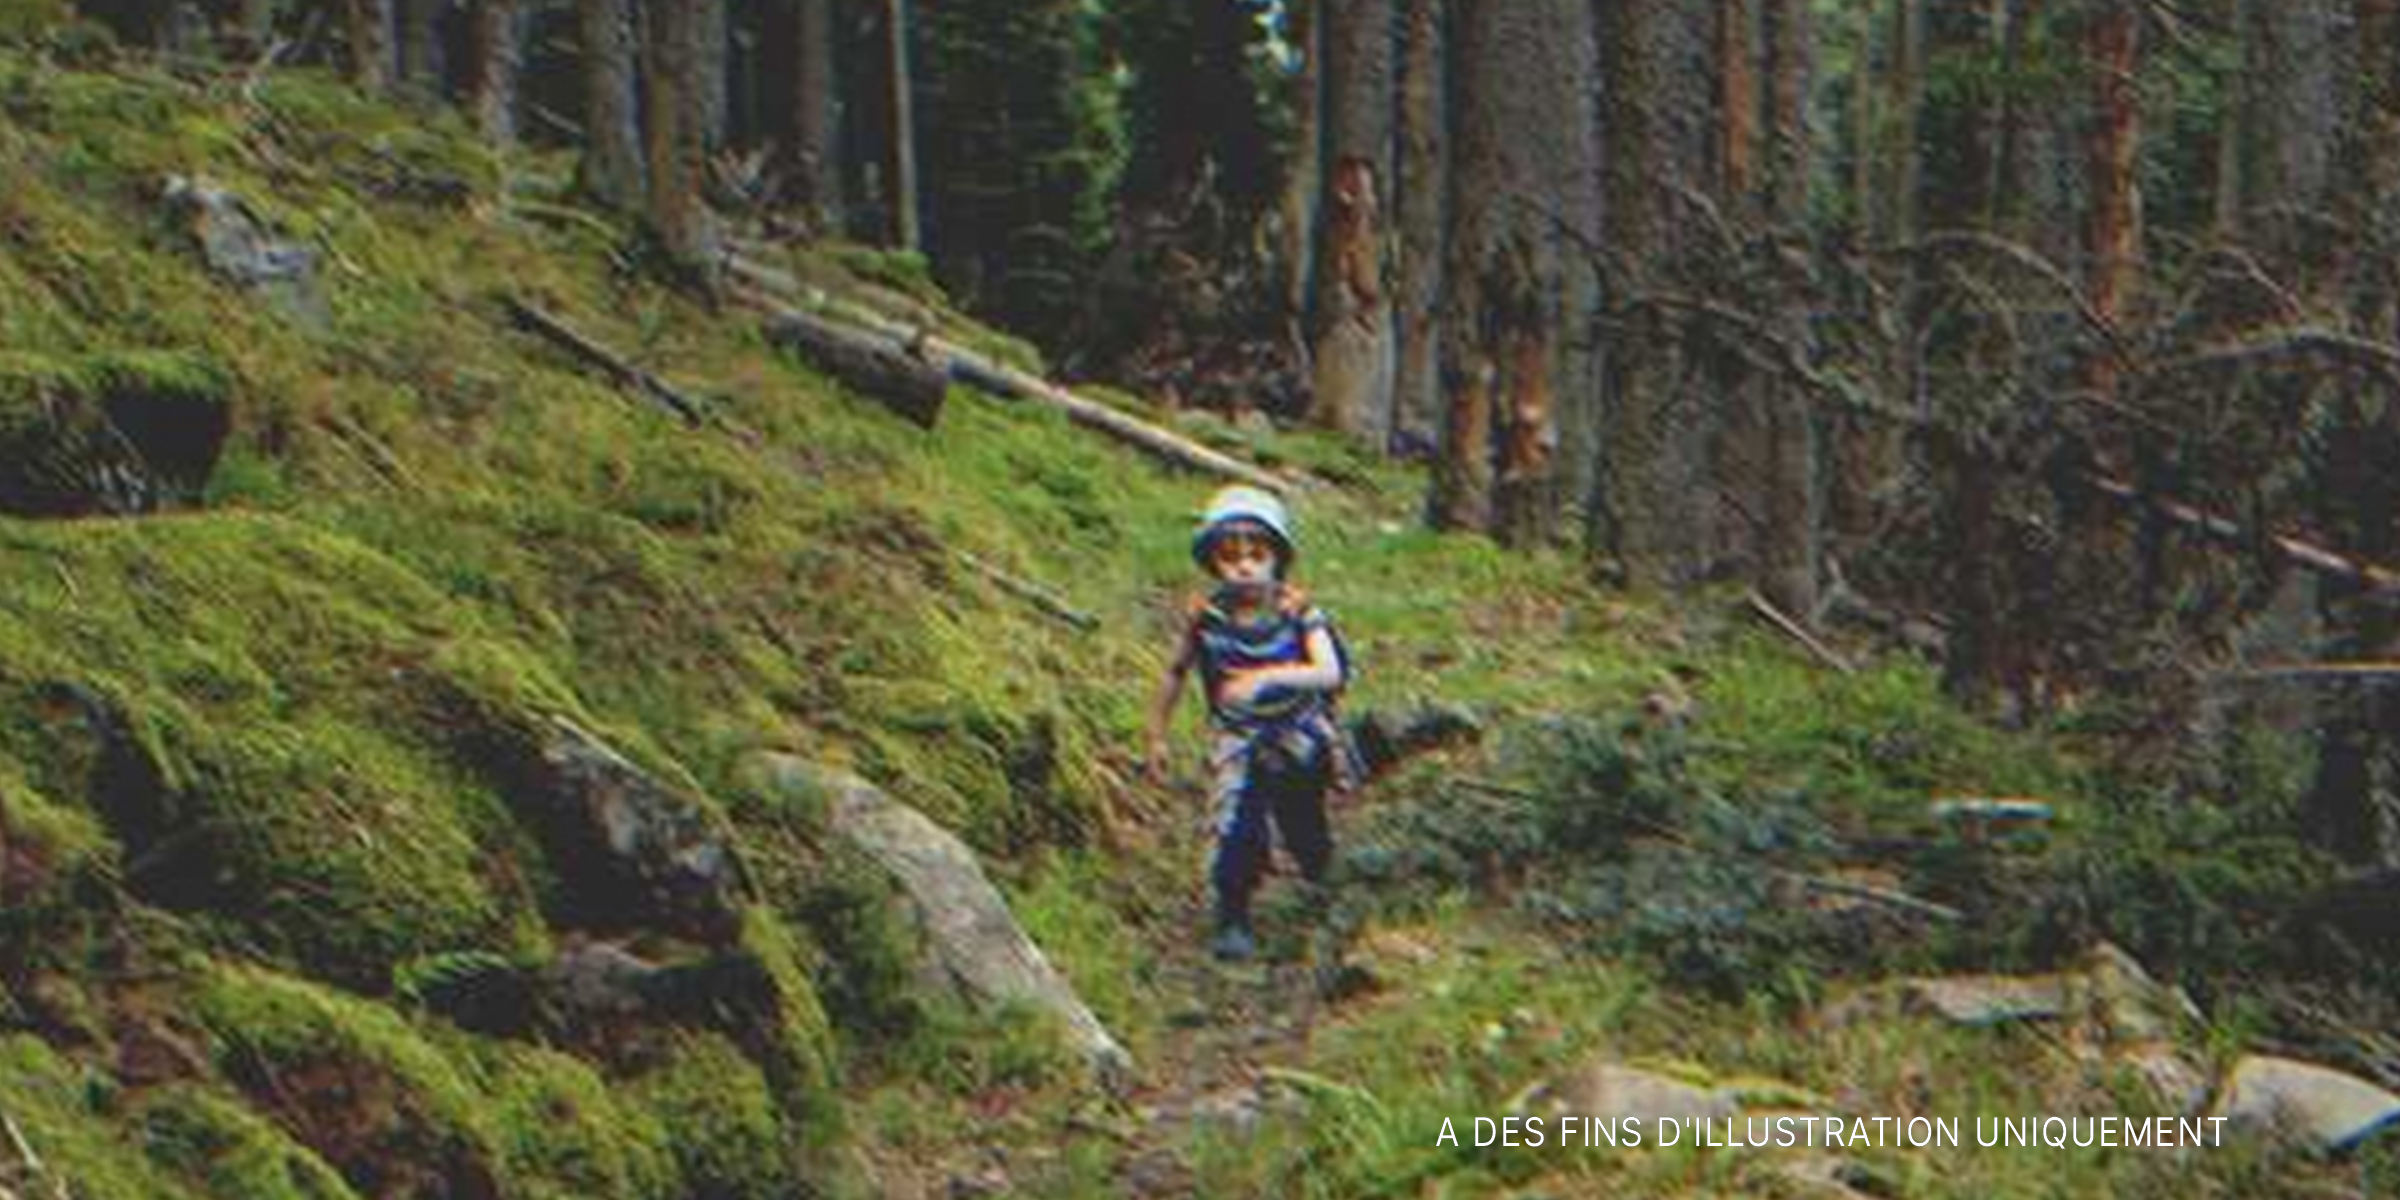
(427, 529)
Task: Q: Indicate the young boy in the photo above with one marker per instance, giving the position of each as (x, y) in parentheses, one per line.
(1271, 667)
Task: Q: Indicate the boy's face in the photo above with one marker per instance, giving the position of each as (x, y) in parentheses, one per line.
(1243, 558)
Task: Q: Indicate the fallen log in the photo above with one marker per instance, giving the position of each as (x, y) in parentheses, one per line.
(999, 379)
(882, 368)
(1041, 598)
(608, 362)
(1790, 627)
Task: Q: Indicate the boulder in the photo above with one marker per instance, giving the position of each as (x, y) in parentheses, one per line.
(2315, 1106)
(975, 941)
(1387, 738)
(2178, 1084)
(634, 850)
(239, 247)
(2127, 1003)
(113, 432)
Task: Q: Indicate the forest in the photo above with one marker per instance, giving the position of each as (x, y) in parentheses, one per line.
(1872, 529)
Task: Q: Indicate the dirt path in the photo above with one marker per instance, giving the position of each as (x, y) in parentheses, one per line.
(1233, 1025)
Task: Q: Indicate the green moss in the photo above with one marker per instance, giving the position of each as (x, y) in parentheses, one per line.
(54, 862)
(800, 1062)
(229, 1152)
(83, 1147)
(567, 1136)
(721, 1118)
(355, 1083)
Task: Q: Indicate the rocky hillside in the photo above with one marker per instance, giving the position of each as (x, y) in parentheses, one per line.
(432, 767)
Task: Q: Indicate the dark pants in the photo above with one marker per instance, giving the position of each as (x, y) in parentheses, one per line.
(1282, 800)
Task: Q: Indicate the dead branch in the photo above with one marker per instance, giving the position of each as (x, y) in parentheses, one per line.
(2382, 358)
(1949, 240)
(592, 354)
(1783, 622)
(1049, 603)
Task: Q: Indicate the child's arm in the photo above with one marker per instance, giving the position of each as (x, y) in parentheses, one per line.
(1321, 673)
(1162, 710)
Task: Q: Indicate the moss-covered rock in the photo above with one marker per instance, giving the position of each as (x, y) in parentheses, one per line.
(85, 1151)
(227, 1151)
(53, 861)
(230, 694)
(116, 432)
(357, 1085)
(730, 1140)
(567, 1136)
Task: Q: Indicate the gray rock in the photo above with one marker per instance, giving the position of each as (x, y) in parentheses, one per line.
(641, 851)
(974, 938)
(2315, 1106)
(2173, 1079)
(2128, 1004)
(1387, 738)
(235, 242)
(1982, 1000)
(1609, 1091)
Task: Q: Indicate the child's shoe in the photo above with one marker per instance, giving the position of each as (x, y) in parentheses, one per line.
(1233, 943)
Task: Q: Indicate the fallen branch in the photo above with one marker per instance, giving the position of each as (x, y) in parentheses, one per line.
(592, 354)
(1794, 630)
(1007, 382)
(892, 372)
(1032, 593)
(2319, 670)
(2300, 553)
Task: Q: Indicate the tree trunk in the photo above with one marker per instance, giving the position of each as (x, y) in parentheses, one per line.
(1737, 100)
(1791, 554)
(1511, 278)
(678, 213)
(372, 61)
(423, 68)
(2113, 242)
(816, 115)
(907, 228)
(712, 92)
(1353, 344)
(1304, 27)
(1659, 517)
(499, 59)
(1423, 191)
(2353, 802)
(613, 170)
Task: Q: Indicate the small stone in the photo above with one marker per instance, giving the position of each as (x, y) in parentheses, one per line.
(2317, 1106)
(1609, 1091)
(1985, 1000)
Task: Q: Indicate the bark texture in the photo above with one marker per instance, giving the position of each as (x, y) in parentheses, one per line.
(1516, 270)
(1354, 335)
(614, 171)
(1422, 210)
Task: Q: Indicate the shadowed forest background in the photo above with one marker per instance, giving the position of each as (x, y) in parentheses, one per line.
(433, 429)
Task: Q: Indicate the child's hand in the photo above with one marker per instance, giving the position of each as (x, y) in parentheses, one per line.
(1243, 687)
